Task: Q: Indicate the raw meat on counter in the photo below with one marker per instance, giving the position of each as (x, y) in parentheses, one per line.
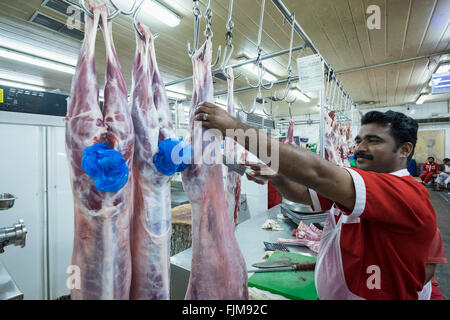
(151, 223)
(101, 244)
(308, 236)
(235, 153)
(218, 269)
(338, 143)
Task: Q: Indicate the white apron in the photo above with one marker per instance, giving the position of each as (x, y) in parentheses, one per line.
(329, 272)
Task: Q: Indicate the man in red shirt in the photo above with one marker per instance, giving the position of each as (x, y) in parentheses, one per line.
(429, 170)
(377, 238)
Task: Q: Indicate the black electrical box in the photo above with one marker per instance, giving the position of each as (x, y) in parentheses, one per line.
(28, 101)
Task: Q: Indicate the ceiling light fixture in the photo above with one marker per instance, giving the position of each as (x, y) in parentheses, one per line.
(20, 85)
(36, 61)
(156, 10)
(46, 53)
(300, 95)
(22, 79)
(422, 98)
(253, 69)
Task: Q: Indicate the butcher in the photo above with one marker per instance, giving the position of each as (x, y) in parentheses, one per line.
(377, 238)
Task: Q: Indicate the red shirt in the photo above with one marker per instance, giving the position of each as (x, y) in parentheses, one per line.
(391, 227)
(436, 256)
(430, 167)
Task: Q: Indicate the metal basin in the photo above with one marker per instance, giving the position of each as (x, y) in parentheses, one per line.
(6, 201)
(298, 207)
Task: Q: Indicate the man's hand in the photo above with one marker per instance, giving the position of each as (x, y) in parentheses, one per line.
(261, 173)
(214, 117)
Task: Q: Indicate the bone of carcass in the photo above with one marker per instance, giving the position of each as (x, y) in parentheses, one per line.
(218, 269)
(235, 153)
(101, 243)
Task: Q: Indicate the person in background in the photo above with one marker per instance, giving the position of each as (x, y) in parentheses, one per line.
(444, 177)
(430, 170)
(273, 196)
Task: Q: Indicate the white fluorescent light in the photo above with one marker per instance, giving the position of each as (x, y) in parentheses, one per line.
(176, 95)
(46, 53)
(25, 58)
(21, 85)
(155, 10)
(300, 95)
(253, 69)
(422, 98)
(21, 79)
(443, 68)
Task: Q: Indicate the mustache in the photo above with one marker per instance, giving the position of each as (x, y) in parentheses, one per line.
(363, 155)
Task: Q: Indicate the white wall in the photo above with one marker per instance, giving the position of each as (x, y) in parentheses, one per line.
(22, 174)
(426, 111)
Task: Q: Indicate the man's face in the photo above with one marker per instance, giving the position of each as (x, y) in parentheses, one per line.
(430, 160)
(375, 149)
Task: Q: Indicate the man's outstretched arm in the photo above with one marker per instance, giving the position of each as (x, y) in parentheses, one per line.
(301, 166)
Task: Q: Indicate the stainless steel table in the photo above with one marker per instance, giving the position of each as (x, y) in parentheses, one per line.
(8, 288)
(250, 237)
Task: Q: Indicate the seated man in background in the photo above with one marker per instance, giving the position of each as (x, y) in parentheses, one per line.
(430, 169)
(444, 177)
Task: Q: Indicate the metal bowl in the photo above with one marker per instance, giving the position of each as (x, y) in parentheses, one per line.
(6, 201)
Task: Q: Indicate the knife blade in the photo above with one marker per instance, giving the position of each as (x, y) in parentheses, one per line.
(239, 168)
(302, 266)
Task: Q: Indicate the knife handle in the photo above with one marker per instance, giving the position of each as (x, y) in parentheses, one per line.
(304, 266)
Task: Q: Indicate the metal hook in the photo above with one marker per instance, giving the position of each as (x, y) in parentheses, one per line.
(197, 16)
(135, 14)
(91, 15)
(127, 13)
(248, 112)
(272, 112)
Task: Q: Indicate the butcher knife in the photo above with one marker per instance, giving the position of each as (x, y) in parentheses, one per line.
(239, 168)
(282, 266)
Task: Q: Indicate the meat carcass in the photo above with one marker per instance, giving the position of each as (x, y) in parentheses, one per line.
(151, 226)
(218, 269)
(338, 144)
(290, 133)
(234, 153)
(101, 243)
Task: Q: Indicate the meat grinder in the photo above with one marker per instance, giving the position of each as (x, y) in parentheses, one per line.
(14, 235)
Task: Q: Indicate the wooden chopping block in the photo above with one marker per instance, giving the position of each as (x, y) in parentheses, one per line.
(181, 229)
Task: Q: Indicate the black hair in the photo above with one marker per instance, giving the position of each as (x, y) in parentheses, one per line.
(430, 158)
(402, 128)
(446, 160)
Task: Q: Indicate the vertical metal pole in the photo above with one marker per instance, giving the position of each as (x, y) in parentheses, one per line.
(322, 126)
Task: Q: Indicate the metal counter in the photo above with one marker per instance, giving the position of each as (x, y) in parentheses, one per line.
(8, 288)
(250, 237)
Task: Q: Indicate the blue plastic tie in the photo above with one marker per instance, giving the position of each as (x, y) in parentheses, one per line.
(167, 161)
(107, 167)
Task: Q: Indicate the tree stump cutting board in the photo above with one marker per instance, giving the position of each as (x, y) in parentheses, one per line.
(181, 229)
